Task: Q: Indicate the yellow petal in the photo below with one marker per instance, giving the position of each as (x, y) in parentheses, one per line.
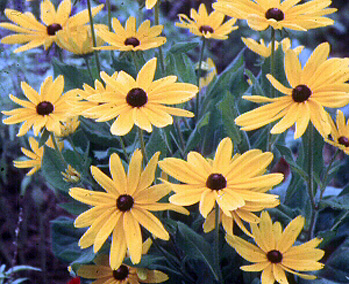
(118, 247)
(293, 68)
(134, 172)
(150, 222)
(290, 234)
(133, 237)
(248, 251)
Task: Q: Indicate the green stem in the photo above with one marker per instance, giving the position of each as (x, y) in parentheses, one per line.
(135, 61)
(340, 220)
(123, 146)
(98, 65)
(88, 67)
(157, 22)
(272, 90)
(203, 43)
(141, 141)
(310, 186)
(180, 134)
(216, 244)
(107, 2)
(173, 262)
(324, 181)
(58, 151)
(316, 209)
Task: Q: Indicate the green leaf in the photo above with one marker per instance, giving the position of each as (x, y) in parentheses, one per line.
(196, 134)
(229, 113)
(73, 77)
(65, 239)
(156, 143)
(18, 268)
(74, 207)
(337, 202)
(44, 137)
(182, 47)
(286, 152)
(195, 246)
(52, 167)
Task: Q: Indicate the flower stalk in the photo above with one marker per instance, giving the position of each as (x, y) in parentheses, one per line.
(216, 244)
(93, 34)
(203, 43)
(141, 141)
(157, 21)
(310, 186)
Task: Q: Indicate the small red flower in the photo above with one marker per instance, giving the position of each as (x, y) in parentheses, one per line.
(75, 280)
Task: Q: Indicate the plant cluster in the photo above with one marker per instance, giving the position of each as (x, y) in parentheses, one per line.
(177, 172)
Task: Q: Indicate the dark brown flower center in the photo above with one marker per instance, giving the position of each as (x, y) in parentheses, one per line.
(52, 29)
(121, 273)
(301, 93)
(216, 181)
(44, 108)
(343, 141)
(132, 41)
(275, 13)
(206, 29)
(124, 202)
(137, 97)
(274, 256)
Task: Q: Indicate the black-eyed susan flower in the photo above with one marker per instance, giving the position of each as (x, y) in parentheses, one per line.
(229, 182)
(78, 41)
(140, 101)
(130, 38)
(80, 107)
(239, 215)
(339, 133)
(45, 109)
(208, 72)
(124, 274)
(265, 50)
(71, 175)
(149, 4)
(208, 26)
(123, 208)
(321, 83)
(287, 14)
(69, 126)
(35, 155)
(33, 33)
(275, 253)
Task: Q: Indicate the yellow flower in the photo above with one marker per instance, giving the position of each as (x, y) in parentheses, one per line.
(140, 101)
(274, 253)
(71, 175)
(229, 182)
(238, 215)
(34, 33)
(122, 208)
(69, 126)
(149, 4)
(208, 26)
(35, 155)
(208, 72)
(47, 109)
(265, 51)
(339, 133)
(81, 106)
(78, 41)
(264, 13)
(130, 38)
(122, 275)
(321, 83)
